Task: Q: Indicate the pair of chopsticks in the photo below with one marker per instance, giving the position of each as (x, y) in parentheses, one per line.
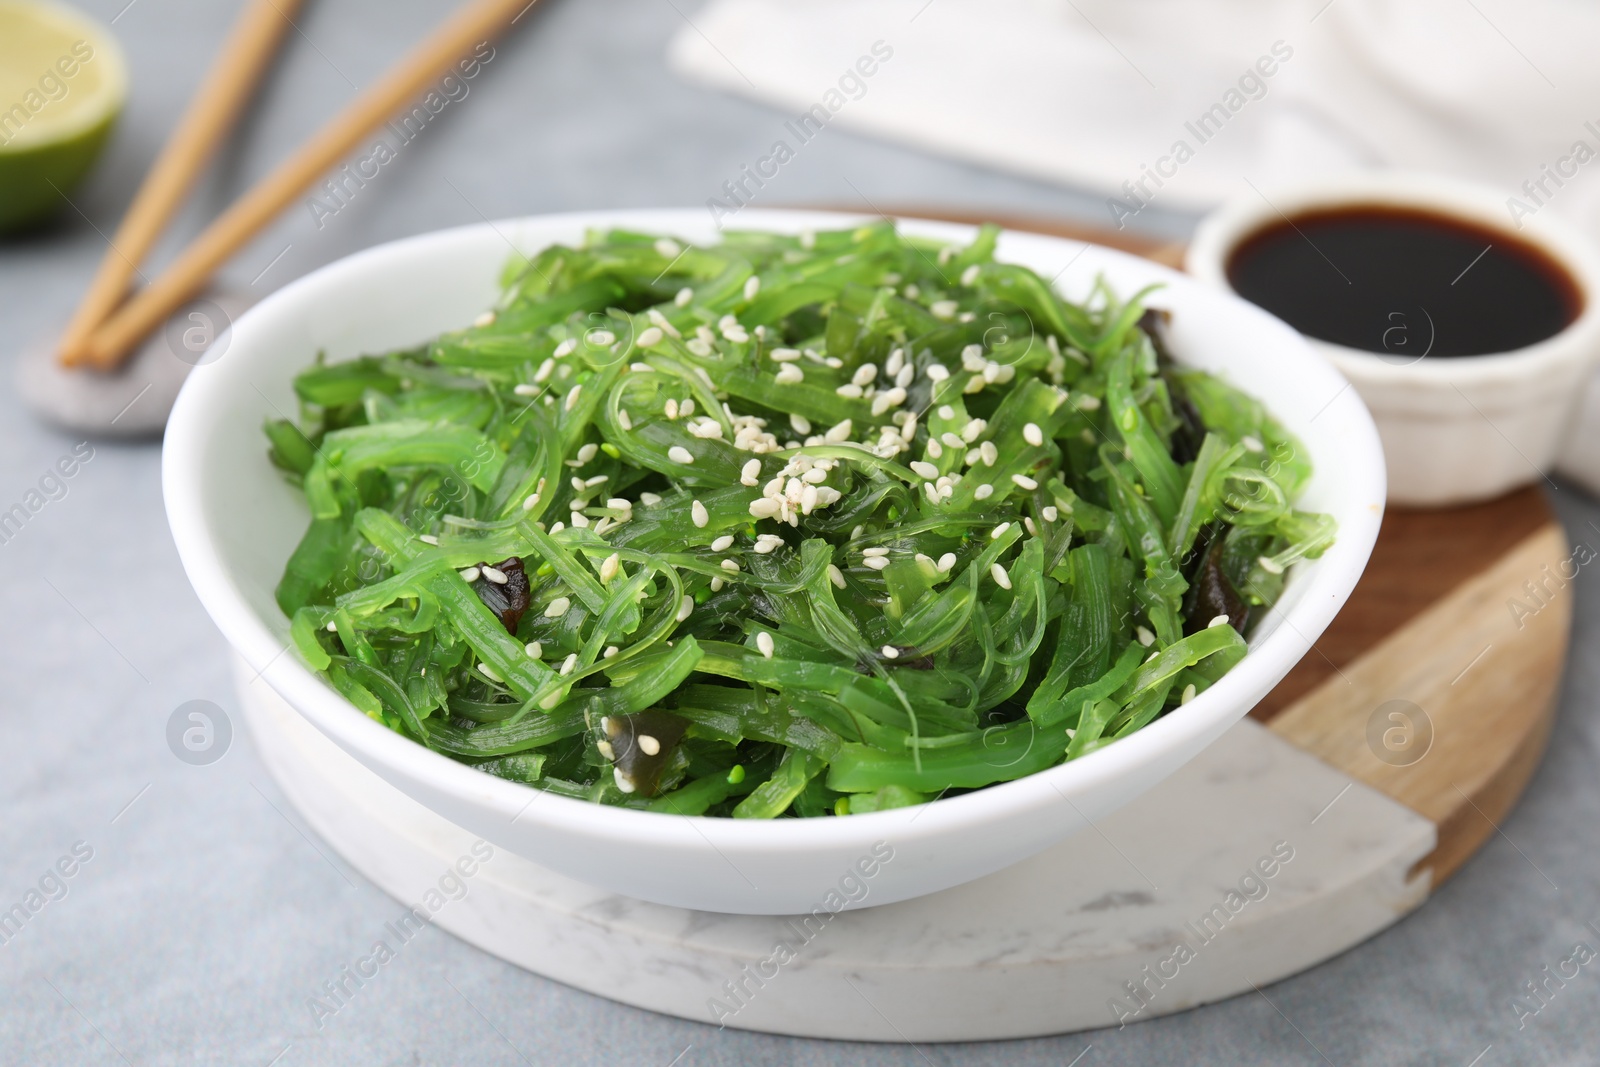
(105, 329)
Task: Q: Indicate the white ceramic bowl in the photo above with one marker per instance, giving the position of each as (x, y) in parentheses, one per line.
(1454, 430)
(235, 522)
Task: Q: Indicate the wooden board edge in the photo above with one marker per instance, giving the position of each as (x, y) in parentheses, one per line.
(1484, 676)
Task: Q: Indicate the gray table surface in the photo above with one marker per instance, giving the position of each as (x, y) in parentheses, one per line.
(208, 913)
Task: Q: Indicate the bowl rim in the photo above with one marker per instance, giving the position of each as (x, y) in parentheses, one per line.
(199, 410)
(1236, 221)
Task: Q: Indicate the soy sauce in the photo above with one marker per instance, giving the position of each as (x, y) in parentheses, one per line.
(1404, 284)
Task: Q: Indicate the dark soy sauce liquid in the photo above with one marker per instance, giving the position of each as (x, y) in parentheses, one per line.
(1404, 284)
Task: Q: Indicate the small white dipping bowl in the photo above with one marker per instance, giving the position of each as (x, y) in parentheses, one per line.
(235, 522)
(1454, 429)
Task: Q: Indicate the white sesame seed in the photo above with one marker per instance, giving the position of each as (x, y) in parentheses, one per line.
(969, 275)
(1188, 694)
(764, 643)
(495, 575)
(836, 576)
(649, 500)
(1146, 638)
(988, 453)
(752, 286)
(698, 346)
(839, 432)
(1033, 435)
(558, 527)
(751, 473)
(684, 296)
(624, 783)
(716, 585)
(605, 749)
(973, 430)
(578, 486)
(999, 531)
(936, 372)
(647, 744)
(932, 490)
(731, 566)
(800, 423)
(767, 543)
(679, 454)
(523, 389)
(784, 355)
(1050, 513)
(641, 368)
(570, 663)
(611, 650)
(886, 400)
(579, 519)
(896, 361)
(943, 309)
(1251, 444)
(946, 561)
(875, 550)
(488, 672)
(789, 374)
(1001, 578)
(983, 492)
(685, 607)
(485, 319)
(890, 652)
(332, 627)
(877, 563)
(686, 408)
(667, 248)
(850, 391)
(1027, 524)
(598, 479)
(624, 419)
(610, 567)
(534, 649)
(557, 607)
(566, 348)
(1025, 482)
(765, 508)
(650, 336)
(428, 539)
(600, 338)
(469, 574)
(572, 397)
(723, 543)
(663, 323)
(698, 512)
(1220, 620)
(1087, 402)
(926, 470)
(865, 374)
(1270, 565)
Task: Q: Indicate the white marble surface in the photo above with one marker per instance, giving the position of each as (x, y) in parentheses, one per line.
(1055, 944)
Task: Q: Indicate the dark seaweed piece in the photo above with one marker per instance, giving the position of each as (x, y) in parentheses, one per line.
(507, 601)
(641, 747)
(1215, 595)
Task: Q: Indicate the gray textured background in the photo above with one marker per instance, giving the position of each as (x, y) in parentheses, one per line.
(207, 914)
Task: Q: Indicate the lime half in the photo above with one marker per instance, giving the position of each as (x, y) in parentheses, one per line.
(62, 85)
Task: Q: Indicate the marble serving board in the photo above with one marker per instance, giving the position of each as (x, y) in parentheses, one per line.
(1306, 829)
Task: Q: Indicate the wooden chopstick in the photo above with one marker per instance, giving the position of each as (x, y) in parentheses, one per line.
(111, 342)
(229, 83)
